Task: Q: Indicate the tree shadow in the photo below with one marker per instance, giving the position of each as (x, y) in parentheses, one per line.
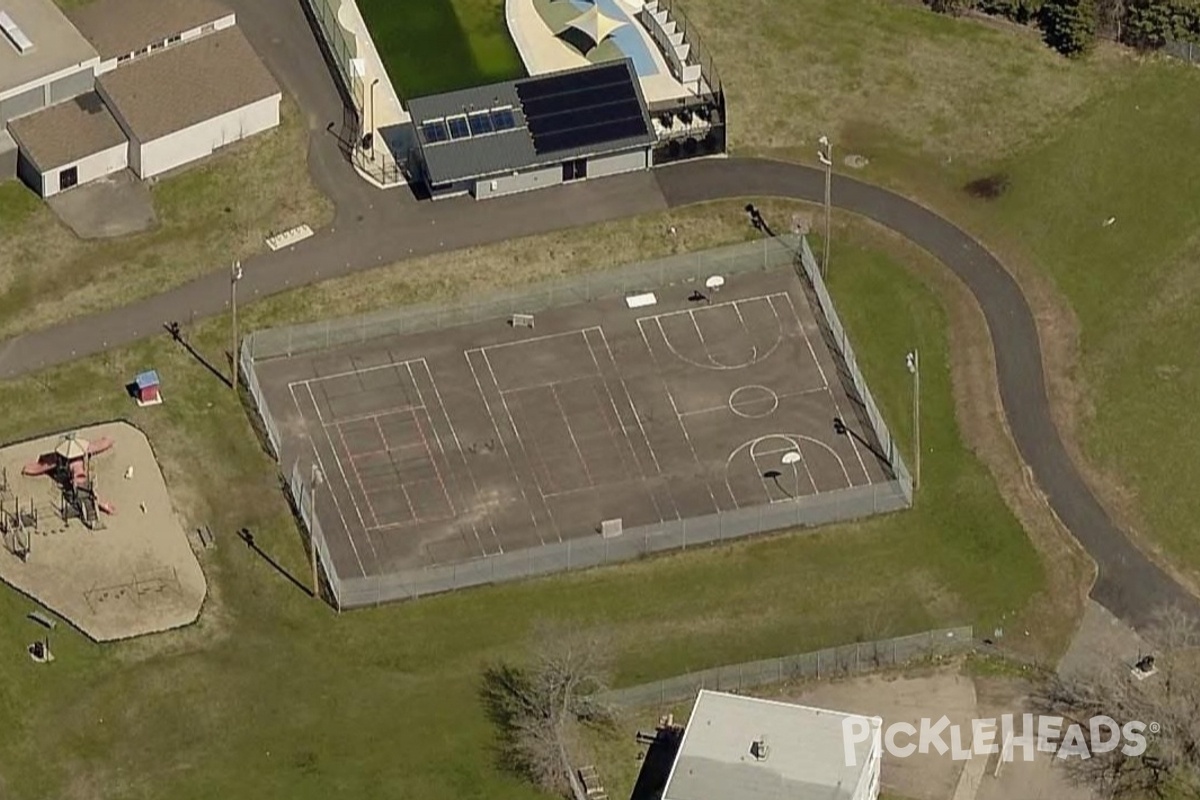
(246, 536)
(172, 328)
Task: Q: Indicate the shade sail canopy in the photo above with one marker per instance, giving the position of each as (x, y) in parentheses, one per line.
(72, 448)
(595, 24)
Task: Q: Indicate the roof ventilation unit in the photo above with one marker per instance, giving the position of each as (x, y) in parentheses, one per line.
(760, 749)
(14, 34)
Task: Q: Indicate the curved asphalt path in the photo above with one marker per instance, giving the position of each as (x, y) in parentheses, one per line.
(372, 228)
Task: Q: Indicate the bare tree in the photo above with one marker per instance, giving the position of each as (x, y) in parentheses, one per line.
(1170, 699)
(537, 706)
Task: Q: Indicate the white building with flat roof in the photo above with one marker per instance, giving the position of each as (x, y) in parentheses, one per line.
(44, 59)
(744, 748)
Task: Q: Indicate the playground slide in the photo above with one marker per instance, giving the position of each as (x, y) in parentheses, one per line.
(40, 467)
(107, 508)
(101, 445)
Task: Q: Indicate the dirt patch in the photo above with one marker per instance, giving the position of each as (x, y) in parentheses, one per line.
(133, 576)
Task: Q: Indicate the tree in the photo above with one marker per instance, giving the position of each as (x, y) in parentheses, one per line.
(952, 7)
(536, 706)
(1170, 766)
(1069, 26)
(1150, 24)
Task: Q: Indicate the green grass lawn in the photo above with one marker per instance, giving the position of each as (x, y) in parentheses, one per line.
(218, 209)
(273, 694)
(441, 45)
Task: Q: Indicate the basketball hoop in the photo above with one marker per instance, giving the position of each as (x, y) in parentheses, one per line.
(714, 283)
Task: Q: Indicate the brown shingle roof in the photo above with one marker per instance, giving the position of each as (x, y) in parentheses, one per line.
(117, 27)
(61, 134)
(187, 84)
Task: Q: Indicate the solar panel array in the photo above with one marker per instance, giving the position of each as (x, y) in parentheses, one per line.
(582, 109)
(464, 126)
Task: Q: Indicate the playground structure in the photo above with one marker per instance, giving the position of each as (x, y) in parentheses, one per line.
(70, 467)
(18, 522)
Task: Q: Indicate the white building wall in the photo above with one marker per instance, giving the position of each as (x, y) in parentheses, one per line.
(616, 164)
(200, 140)
(42, 84)
(521, 182)
(90, 168)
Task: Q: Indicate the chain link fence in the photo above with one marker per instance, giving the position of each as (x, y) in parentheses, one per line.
(811, 274)
(850, 659)
(304, 502)
(1185, 51)
(635, 542)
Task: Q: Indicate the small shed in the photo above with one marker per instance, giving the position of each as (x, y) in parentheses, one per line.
(147, 386)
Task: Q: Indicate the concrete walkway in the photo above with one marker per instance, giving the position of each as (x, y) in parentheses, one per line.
(1130, 585)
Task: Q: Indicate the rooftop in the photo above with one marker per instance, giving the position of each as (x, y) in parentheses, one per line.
(56, 136)
(550, 119)
(185, 85)
(56, 43)
(118, 27)
(805, 759)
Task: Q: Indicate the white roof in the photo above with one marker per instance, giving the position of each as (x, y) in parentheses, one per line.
(54, 44)
(596, 24)
(805, 759)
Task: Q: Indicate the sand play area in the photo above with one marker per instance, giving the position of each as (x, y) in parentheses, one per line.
(120, 565)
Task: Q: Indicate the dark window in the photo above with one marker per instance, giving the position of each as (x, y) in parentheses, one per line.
(458, 128)
(575, 170)
(503, 119)
(174, 39)
(125, 57)
(480, 123)
(434, 132)
(68, 178)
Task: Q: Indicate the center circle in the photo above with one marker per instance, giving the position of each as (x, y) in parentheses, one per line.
(753, 402)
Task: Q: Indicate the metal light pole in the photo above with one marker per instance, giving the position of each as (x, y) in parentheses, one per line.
(825, 153)
(372, 131)
(913, 360)
(791, 458)
(235, 275)
(312, 524)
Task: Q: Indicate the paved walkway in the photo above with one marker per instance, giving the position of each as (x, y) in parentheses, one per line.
(373, 228)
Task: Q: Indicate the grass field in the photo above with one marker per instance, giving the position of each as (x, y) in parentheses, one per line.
(273, 694)
(441, 45)
(220, 209)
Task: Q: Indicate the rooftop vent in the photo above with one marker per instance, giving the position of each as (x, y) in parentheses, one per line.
(14, 34)
(760, 749)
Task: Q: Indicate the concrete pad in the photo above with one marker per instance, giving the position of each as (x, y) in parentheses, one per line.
(1101, 643)
(117, 205)
(137, 575)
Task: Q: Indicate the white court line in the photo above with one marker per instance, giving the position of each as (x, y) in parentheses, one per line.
(574, 443)
(336, 503)
(458, 446)
(678, 419)
(364, 417)
(532, 339)
(795, 448)
(436, 438)
(546, 385)
(836, 406)
(357, 475)
(713, 363)
(726, 406)
(629, 399)
(521, 441)
(507, 455)
(352, 372)
(612, 401)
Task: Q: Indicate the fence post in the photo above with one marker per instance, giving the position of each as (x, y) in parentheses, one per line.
(818, 665)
